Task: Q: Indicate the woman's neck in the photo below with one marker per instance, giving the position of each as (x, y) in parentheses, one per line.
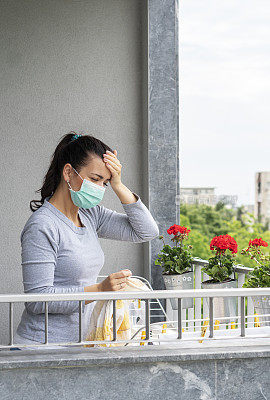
(62, 201)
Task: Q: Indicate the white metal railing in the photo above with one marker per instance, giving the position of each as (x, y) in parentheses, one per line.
(200, 276)
(145, 296)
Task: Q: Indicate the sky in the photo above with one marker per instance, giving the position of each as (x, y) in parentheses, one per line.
(224, 94)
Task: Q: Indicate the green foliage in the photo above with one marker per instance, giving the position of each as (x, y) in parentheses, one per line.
(220, 267)
(259, 277)
(174, 260)
(200, 245)
(242, 235)
(209, 221)
(206, 222)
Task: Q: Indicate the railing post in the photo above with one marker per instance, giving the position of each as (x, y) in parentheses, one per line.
(46, 322)
(205, 313)
(10, 324)
(241, 280)
(198, 300)
(114, 320)
(179, 319)
(242, 316)
(80, 321)
(147, 319)
(211, 317)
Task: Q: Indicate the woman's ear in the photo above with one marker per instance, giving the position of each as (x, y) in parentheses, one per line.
(67, 171)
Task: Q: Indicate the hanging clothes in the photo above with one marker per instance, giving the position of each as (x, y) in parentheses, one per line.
(101, 321)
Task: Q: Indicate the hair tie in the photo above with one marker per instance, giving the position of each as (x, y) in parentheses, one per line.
(74, 137)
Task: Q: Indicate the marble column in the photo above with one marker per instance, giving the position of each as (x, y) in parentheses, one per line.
(163, 125)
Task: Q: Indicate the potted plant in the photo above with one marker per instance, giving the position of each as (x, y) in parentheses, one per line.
(259, 277)
(177, 264)
(221, 269)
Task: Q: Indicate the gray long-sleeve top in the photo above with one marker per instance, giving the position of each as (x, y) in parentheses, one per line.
(60, 257)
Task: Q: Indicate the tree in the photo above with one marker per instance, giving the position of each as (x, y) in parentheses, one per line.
(206, 222)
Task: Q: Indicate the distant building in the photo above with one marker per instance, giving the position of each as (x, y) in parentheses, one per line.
(205, 195)
(262, 197)
(249, 208)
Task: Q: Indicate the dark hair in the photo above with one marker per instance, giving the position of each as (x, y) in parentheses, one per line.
(76, 152)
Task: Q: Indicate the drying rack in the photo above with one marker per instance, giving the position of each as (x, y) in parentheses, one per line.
(138, 314)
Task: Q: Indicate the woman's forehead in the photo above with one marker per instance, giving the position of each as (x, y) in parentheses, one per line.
(97, 167)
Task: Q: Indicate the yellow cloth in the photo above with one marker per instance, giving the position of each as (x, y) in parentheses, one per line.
(101, 320)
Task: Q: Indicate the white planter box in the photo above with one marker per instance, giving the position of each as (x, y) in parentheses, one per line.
(179, 282)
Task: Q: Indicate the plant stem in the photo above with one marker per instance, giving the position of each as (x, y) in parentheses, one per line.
(254, 258)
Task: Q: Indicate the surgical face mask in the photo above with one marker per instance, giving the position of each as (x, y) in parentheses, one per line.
(89, 194)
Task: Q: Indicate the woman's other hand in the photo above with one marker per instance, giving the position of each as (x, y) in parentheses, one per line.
(115, 281)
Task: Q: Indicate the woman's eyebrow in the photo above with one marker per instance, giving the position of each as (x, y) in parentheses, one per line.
(101, 177)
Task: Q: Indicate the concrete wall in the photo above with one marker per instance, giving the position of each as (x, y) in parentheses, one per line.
(150, 372)
(68, 65)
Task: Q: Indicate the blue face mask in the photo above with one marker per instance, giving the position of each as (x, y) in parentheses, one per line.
(89, 194)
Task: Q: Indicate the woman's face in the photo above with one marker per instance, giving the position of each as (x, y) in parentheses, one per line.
(95, 171)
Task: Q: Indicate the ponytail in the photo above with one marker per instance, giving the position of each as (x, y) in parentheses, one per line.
(75, 152)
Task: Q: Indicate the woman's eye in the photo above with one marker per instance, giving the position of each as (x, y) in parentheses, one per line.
(105, 184)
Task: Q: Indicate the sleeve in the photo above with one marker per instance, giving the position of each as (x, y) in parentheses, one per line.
(39, 254)
(135, 225)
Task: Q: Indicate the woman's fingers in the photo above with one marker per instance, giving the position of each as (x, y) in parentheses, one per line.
(110, 157)
(121, 282)
(116, 280)
(115, 167)
(108, 152)
(113, 162)
(122, 274)
(119, 278)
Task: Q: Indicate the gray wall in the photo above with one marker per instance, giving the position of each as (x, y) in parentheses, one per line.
(144, 372)
(68, 65)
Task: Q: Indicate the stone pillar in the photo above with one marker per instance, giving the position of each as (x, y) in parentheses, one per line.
(163, 125)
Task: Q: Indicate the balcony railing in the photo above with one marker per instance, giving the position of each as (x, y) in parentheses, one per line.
(200, 276)
(191, 320)
(146, 297)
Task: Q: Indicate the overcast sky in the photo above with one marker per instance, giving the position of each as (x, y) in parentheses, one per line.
(224, 94)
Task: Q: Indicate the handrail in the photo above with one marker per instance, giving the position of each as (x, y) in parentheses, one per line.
(121, 295)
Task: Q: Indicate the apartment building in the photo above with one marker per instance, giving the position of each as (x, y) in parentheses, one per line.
(205, 195)
(262, 197)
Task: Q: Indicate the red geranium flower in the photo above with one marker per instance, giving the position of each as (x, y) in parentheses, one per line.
(177, 228)
(223, 242)
(257, 242)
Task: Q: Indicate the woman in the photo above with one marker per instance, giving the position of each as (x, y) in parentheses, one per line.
(61, 252)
